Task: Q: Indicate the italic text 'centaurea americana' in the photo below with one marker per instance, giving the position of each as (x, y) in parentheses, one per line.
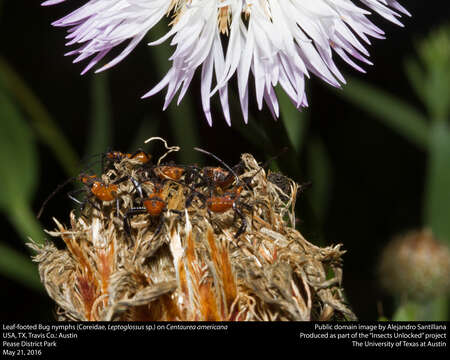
(280, 42)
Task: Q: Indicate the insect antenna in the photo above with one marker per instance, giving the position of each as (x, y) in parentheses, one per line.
(224, 164)
(58, 189)
(269, 160)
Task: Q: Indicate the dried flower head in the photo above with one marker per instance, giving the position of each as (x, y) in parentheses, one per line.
(279, 42)
(194, 267)
(415, 266)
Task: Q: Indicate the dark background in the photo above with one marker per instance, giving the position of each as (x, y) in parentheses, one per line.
(377, 176)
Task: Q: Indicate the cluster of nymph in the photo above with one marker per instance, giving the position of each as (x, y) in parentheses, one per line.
(131, 184)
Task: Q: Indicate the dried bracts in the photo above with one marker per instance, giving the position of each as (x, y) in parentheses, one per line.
(155, 241)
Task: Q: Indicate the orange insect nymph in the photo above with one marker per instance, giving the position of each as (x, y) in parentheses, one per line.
(104, 192)
(154, 205)
(219, 177)
(86, 179)
(116, 155)
(169, 172)
(220, 204)
(140, 156)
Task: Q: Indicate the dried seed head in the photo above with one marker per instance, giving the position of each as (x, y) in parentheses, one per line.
(415, 266)
(194, 268)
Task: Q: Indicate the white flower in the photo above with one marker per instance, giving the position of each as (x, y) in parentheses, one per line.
(279, 41)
